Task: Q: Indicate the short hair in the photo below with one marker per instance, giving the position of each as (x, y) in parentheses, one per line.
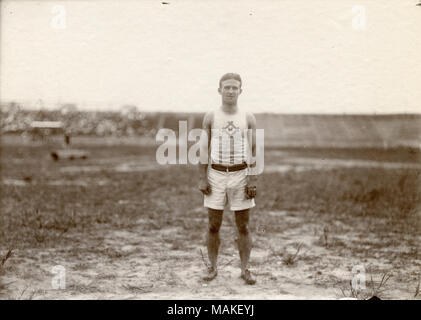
(230, 75)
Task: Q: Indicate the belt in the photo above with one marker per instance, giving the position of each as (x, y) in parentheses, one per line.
(233, 168)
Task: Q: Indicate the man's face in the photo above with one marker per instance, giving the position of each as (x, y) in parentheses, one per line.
(230, 90)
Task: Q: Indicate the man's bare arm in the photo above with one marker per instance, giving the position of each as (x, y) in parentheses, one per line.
(204, 150)
(251, 125)
(251, 179)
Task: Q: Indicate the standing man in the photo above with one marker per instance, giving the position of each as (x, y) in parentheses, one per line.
(225, 178)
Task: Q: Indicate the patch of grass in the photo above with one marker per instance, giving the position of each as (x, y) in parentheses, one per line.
(370, 290)
(377, 289)
(106, 276)
(81, 266)
(290, 259)
(6, 257)
(396, 154)
(326, 236)
(30, 295)
(374, 192)
(417, 288)
(138, 289)
(2, 268)
(42, 215)
(82, 288)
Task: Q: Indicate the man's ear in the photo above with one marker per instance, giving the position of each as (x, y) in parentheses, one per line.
(241, 90)
(219, 90)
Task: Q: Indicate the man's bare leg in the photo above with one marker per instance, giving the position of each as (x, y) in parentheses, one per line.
(213, 241)
(244, 243)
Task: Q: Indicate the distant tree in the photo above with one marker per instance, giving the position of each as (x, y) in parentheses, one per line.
(131, 112)
(68, 108)
(11, 108)
(70, 116)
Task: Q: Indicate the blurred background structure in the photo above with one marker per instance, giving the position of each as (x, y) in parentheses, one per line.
(296, 130)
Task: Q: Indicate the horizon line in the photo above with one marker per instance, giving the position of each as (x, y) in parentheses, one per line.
(54, 106)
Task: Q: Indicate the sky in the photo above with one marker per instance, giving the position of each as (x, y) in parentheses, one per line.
(302, 56)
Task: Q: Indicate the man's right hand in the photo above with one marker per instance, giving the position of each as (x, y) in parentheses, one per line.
(204, 186)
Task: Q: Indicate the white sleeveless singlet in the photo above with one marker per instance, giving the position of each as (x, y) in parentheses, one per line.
(229, 142)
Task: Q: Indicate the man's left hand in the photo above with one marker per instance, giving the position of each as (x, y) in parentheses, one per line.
(251, 187)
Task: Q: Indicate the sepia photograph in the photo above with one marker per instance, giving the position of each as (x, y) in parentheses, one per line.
(210, 150)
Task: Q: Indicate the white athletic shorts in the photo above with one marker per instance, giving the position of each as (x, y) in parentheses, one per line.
(227, 187)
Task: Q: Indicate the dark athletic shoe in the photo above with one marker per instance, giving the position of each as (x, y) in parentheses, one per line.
(247, 277)
(212, 273)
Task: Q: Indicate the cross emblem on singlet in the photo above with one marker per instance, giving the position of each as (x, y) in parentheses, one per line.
(230, 128)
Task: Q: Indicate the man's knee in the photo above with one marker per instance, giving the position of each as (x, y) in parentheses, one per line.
(243, 229)
(242, 220)
(215, 220)
(214, 227)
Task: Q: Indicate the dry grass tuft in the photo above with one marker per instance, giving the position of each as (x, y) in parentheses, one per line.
(291, 259)
(372, 291)
(2, 268)
(417, 288)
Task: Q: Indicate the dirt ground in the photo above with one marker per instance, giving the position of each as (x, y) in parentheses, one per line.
(144, 244)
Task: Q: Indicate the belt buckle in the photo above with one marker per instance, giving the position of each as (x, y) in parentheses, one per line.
(228, 169)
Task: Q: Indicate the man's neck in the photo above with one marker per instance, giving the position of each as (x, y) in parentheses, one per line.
(229, 108)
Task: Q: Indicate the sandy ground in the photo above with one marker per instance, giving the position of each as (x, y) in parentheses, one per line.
(152, 263)
(140, 264)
